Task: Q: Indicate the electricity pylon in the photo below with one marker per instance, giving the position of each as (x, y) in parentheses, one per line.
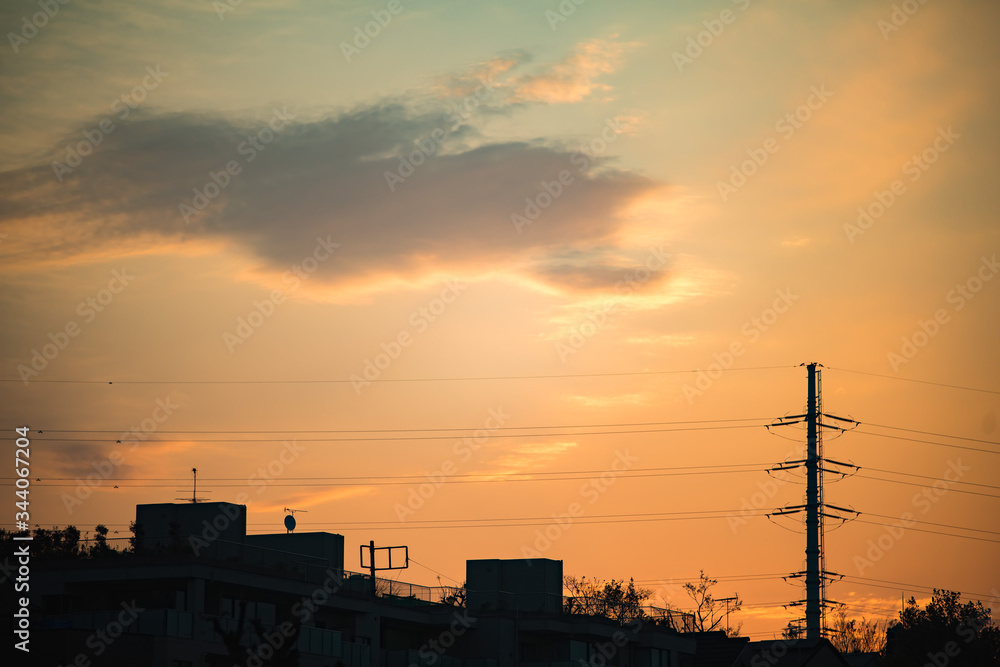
(816, 510)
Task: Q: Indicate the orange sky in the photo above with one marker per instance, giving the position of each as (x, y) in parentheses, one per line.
(205, 205)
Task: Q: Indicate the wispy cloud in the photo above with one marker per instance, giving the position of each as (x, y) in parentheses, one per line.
(514, 79)
(611, 401)
(666, 340)
(521, 459)
(573, 79)
(305, 499)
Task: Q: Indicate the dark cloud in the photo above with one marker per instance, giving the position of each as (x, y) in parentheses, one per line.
(100, 461)
(601, 268)
(402, 192)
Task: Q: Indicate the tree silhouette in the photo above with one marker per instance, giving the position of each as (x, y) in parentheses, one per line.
(611, 599)
(794, 630)
(100, 547)
(63, 543)
(137, 542)
(710, 613)
(857, 636)
(454, 596)
(944, 632)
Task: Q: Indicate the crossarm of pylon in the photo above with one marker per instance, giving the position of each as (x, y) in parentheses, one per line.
(840, 463)
(832, 428)
(843, 419)
(787, 421)
(841, 509)
(786, 510)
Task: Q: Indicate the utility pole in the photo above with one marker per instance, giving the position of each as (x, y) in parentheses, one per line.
(816, 575)
(371, 554)
(727, 601)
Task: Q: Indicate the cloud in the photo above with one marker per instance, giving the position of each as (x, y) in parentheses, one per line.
(302, 499)
(666, 340)
(797, 242)
(574, 78)
(493, 72)
(409, 188)
(85, 468)
(612, 401)
(519, 460)
(326, 178)
(570, 80)
(586, 269)
(80, 459)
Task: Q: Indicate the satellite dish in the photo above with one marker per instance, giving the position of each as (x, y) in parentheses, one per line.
(289, 522)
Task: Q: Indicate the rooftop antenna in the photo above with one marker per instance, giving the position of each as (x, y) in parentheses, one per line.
(371, 548)
(194, 494)
(727, 601)
(290, 519)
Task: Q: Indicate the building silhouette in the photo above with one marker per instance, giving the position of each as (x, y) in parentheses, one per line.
(199, 592)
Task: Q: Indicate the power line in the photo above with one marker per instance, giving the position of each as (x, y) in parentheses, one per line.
(924, 486)
(751, 467)
(883, 609)
(353, 524)
(873, 613)
(913, 587)
(411, 438)
(938, 384)
(910, 474)
(940, 435)
(497, 435)
(934, 532)
(620, 474)
(864, 581)
(415, 477)
(412, 479)
(521, 522)
(930, 523)
(580, 521)
(733, 577)
(538, 518)
(427, 430)
(758, 605)
(898, 519)
(382, 380)
(439, 574)
(928, 442)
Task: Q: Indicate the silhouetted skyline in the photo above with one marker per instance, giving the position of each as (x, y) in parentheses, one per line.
(515, 280)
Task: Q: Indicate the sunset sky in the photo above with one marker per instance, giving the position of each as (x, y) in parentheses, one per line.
(428, 270)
